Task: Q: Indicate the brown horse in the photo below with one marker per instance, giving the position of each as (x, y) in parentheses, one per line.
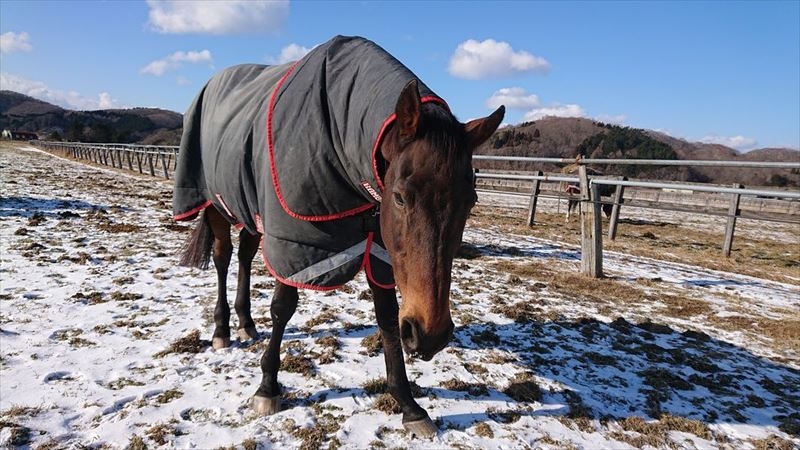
(423, 158)
(573, 191)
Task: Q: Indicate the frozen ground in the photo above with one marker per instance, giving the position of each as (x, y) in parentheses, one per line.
(91, 300)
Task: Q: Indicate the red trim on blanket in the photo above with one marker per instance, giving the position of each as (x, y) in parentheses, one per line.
(292, 283)
(389, 120)
(276, 183)
(260, 227)
(189, 215)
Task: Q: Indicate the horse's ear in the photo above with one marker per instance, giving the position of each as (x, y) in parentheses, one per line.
(479, 130)
(408, 112)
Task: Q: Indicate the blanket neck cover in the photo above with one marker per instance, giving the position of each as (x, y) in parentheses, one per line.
(291, 151)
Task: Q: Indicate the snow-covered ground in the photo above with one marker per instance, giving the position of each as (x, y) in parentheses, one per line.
(91, 300)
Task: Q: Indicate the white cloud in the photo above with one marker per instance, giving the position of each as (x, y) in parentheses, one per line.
(476, 60)
(217, 17)
(513, 97)
(69, 99)
(15, 42)
(174, 61)
(182, 81)
(291, 52)
(737, 142)
(556, 110)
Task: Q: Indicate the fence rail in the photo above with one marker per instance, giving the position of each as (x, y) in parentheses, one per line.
(646, 162)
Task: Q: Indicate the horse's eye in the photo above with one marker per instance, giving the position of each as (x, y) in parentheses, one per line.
(398, 200)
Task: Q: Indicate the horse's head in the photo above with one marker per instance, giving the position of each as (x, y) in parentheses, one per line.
(429, 192)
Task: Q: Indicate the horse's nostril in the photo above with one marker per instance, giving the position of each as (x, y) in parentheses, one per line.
(409, 335)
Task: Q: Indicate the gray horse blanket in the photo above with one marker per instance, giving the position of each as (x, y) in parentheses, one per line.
(291, 151)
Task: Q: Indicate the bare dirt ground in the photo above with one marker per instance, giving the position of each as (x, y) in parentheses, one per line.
(104, 341)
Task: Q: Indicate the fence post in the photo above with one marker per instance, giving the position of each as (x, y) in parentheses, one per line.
(150, 162)
(733, 212)
(614, 220)
(534, 199)
(130, 162)
(591, 227)
(164, 165)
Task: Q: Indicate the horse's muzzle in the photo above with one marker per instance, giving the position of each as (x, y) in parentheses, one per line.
(419, 344)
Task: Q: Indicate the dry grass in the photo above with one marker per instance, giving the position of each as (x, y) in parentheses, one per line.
(576, 285)
(784, 333)
(484, 430)
(190, 343)
(136, 443)
(523, 388)
(773, 443)
(640, 433)
(160, 433)
(474, 389)
(297, 364)
(763, 258)
(330, 345)
(373, 344)
(314, 436)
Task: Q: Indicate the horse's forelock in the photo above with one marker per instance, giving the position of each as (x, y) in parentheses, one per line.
(445, 134)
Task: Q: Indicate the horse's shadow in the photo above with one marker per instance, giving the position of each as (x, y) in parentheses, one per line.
(46, 207)
(621, 369)
(471, 251)
(617, 370)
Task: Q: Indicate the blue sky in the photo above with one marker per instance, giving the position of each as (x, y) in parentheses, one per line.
(726, 72)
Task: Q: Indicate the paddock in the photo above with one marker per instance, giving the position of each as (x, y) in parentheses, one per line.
(104, 338)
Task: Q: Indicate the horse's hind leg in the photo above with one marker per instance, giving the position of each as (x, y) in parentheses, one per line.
(222, 251)
(415, 419)
(248, 246)
(267, 398)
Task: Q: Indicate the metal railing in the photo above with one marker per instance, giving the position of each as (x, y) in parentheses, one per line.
(146, 158)
(645, 162)
(647, 184)
(591, 228)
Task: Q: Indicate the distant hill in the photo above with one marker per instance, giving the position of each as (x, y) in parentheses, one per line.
(549, 137)
(138, 125)
(559, 137)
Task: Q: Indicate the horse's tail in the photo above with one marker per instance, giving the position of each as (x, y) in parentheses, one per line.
(197, 249)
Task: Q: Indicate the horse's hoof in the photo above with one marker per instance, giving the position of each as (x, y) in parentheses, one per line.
(265, 406)
(245, 334)
(423, 428)
(219, 343)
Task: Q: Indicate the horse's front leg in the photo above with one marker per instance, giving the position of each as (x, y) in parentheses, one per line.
(415, 419)
(267, 398)
(248, 246)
